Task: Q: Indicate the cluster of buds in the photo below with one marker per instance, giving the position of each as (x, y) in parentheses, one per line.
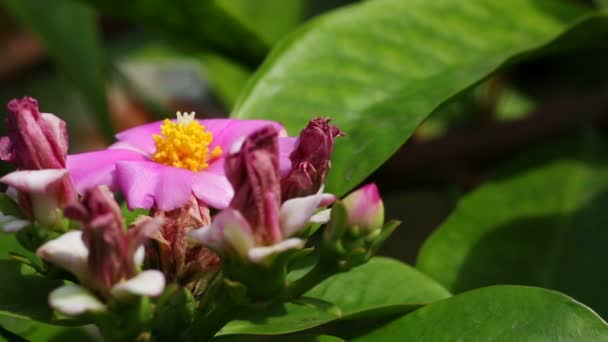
(247, 245)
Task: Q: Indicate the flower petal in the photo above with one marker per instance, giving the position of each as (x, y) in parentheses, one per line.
(148, 283)
(74, 300)
(213, 189)
(259, 255)
(92, 169)
(145, 183)
(227, 131)
(12, 224)
(286, 146)
(34, 181)
(139, 256)
(321, 217)
(69, 252)
(296, 212)
(229, 232)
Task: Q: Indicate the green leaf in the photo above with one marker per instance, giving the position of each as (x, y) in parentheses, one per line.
(541, 222)
(24, 294)
(280, 338)
(380, 67)
(270, 19)
(68, 30)
(380, 287)
(500, 313)
(193, 23)
(35, 331)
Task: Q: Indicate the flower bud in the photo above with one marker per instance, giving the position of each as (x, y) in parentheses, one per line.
(112, 250)
(35, 140)
(254, 174)
(310, 160)
(365, 209)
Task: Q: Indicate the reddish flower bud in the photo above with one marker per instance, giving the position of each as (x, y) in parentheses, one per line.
(180, 261)
(254, 174)
(365, 208)
(35, 140)
(310, 160)
(112, 249)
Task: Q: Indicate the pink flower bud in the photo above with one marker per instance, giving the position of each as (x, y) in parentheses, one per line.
(311, 159)
(254, 174)
(41, 193)
(112, 250)
(35, 140)
(365, 208)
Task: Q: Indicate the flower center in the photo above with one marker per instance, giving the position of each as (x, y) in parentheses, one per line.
(184, 144)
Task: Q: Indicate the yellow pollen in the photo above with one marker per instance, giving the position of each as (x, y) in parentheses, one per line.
(184, 144)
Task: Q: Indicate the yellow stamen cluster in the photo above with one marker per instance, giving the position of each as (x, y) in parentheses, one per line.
(184, 144)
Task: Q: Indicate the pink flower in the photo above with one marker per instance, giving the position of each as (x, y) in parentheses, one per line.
(163, 163)
(365, 208)
(258, 225)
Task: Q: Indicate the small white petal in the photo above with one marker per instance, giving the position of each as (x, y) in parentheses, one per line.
(237, 144)
(67, 251)
(295, 213)
(12, 193)
(36, 181)
(322, 216)
(14, 225)
(74, 300)
(138, 257)
(148, 283)
(229, 232)
(259, 254)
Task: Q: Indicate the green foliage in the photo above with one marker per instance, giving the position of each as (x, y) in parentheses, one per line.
(500, 313)
(269, 19)
(540, 222)
(194, 24)
(23, 293)
(380, 67)
(291, 338)
(69, 33)
(382, 286)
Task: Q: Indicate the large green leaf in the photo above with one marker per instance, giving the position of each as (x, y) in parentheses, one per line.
(382, 286)
(541, 222)
(380, 67)
(69, 33)
(500, 313)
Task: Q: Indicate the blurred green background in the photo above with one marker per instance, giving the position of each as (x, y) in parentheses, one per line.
(104, 66)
